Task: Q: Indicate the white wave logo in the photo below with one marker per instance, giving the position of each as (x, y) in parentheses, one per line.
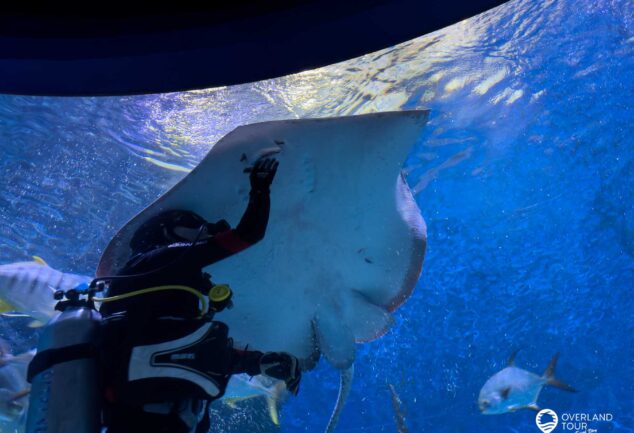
(546, 426)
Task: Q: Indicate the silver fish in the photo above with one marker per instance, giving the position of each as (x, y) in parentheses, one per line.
(513, 388)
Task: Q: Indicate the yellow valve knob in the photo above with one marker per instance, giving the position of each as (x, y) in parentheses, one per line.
(219, 293)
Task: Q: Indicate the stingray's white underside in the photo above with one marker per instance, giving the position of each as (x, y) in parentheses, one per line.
(345, 241)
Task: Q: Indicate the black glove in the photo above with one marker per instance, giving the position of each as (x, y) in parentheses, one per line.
(262, 174)
(217, 227)
(282, 366)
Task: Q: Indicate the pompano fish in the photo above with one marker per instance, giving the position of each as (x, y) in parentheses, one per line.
(513, 388)
(243, 387)
(14, 388)
(28, 287)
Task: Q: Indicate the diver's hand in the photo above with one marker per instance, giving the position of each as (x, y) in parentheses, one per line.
(262, 174)
(282, 366)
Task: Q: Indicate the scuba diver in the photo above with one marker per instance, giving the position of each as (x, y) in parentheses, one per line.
(163, 362)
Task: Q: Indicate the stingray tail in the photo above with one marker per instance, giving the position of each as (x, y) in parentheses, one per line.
(549, 376)
(345, 385)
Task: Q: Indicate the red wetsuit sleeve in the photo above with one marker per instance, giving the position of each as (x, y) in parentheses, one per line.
(249, 231)
(230, 241)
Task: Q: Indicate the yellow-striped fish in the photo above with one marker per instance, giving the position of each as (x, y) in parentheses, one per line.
(28, 287)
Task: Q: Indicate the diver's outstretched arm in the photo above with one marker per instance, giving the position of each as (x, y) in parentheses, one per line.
(249, 231)
(253, 224)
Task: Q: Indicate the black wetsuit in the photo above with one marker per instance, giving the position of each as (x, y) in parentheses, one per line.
(147, 319)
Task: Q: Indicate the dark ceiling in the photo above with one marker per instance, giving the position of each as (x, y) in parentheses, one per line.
(70, 52)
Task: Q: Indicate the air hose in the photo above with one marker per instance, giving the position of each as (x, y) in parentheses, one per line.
(203, 301)
(220, 296)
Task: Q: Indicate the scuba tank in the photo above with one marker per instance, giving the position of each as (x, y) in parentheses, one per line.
(65, 376)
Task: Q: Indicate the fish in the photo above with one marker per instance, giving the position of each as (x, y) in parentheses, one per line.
(513, 388)
(14, 389)
(244, 387)
(345, 242)
(399, 417)
(28, 288)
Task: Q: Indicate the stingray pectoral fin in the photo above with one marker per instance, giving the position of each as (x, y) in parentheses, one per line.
(534, 407)
(345, 384)
(366, 320)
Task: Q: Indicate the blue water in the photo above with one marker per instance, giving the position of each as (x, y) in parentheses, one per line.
(524, 176)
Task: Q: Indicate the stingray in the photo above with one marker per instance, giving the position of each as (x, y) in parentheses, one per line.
(345, 242)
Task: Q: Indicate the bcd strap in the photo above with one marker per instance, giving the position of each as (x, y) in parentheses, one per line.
(50, 357)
